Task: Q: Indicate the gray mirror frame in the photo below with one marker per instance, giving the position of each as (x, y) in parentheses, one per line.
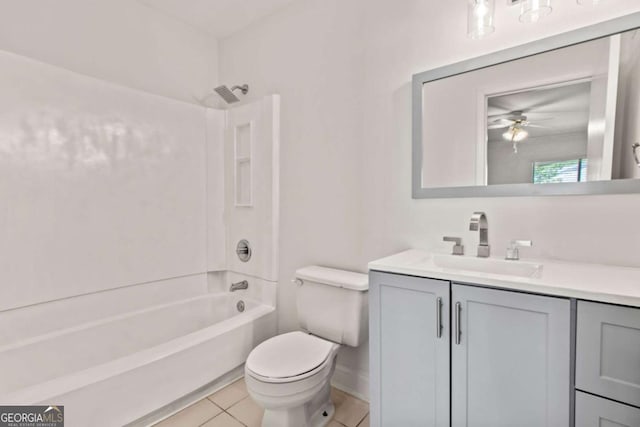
(604, 29)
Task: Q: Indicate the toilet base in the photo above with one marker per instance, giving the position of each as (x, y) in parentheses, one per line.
(316, 413)
(321, 420)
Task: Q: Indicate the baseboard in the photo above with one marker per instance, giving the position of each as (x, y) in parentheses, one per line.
(352, 382)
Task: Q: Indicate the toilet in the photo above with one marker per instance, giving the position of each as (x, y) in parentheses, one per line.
(289, 375)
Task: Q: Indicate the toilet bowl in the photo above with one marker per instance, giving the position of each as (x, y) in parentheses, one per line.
(289, 375)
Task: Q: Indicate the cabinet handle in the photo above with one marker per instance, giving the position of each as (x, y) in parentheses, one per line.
(438, 317)
(457, 319)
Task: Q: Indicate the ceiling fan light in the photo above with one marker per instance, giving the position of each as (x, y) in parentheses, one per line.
(515, 134)
(532, 10)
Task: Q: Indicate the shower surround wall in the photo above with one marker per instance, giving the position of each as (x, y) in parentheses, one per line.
(116, 209)
(101, 217)
(101, 186)
(344, 69)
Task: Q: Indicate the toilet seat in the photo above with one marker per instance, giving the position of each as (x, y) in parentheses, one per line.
(290, 357)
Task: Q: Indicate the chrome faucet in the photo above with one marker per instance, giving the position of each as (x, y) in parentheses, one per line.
(479, 223)
(240, 285)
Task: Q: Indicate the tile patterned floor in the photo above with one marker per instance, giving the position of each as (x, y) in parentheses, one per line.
(233, 407)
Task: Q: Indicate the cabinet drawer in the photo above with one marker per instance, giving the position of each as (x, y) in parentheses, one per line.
(608, 351)
(593, 411)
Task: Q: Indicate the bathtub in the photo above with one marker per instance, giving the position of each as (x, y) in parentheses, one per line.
(113, 370)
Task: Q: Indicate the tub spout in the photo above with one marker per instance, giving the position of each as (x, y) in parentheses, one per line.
(240, 285)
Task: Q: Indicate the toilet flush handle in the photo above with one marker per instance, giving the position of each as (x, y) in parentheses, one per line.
(297, 281)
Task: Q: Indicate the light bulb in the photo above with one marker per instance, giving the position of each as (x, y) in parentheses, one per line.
(515, 134)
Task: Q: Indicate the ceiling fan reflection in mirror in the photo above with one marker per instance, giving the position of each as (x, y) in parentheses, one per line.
(539, 113)
(515, 123)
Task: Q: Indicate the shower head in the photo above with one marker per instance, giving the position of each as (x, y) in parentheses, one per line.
(228, 95)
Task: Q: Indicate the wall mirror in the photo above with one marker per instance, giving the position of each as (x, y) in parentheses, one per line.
(557, 116)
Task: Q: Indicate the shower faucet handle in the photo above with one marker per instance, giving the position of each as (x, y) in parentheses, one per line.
(458, 248)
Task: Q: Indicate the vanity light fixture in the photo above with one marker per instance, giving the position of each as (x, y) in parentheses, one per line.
(480, 18)
(480, 13)
(532, 10)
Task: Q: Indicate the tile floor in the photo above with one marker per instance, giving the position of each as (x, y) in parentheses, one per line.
(233, 407)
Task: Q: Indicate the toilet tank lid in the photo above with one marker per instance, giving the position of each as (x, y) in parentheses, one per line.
(334, 277)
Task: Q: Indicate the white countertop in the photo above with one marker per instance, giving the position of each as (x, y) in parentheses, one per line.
(594, 282)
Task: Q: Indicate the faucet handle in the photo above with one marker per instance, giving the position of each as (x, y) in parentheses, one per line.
(513, 254)
(458, 248)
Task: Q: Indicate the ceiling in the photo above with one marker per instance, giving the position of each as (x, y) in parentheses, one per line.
(219, 18)
(557, 110)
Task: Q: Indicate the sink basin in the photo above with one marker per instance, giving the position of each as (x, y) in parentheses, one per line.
(489, 265)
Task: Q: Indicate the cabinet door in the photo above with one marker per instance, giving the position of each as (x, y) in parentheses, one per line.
(608, 351)
(593, 411)
(409, 343)
(510, 359)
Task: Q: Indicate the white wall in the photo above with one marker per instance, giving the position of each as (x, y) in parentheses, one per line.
(121, 41)
(343, 68)
(311, 54)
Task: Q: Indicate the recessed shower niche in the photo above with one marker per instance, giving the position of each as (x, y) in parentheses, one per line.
(243, 138)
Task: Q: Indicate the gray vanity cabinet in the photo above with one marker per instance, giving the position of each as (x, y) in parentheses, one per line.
(594, 411)
(409, 343)
(463, 355)
(608, 351)
(510, 357)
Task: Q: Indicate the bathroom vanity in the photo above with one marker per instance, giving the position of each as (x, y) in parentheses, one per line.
(461, 341)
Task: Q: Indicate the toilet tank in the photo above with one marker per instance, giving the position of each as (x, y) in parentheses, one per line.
(333, 304)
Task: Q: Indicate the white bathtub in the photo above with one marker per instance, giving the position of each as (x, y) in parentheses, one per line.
(113, 370)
